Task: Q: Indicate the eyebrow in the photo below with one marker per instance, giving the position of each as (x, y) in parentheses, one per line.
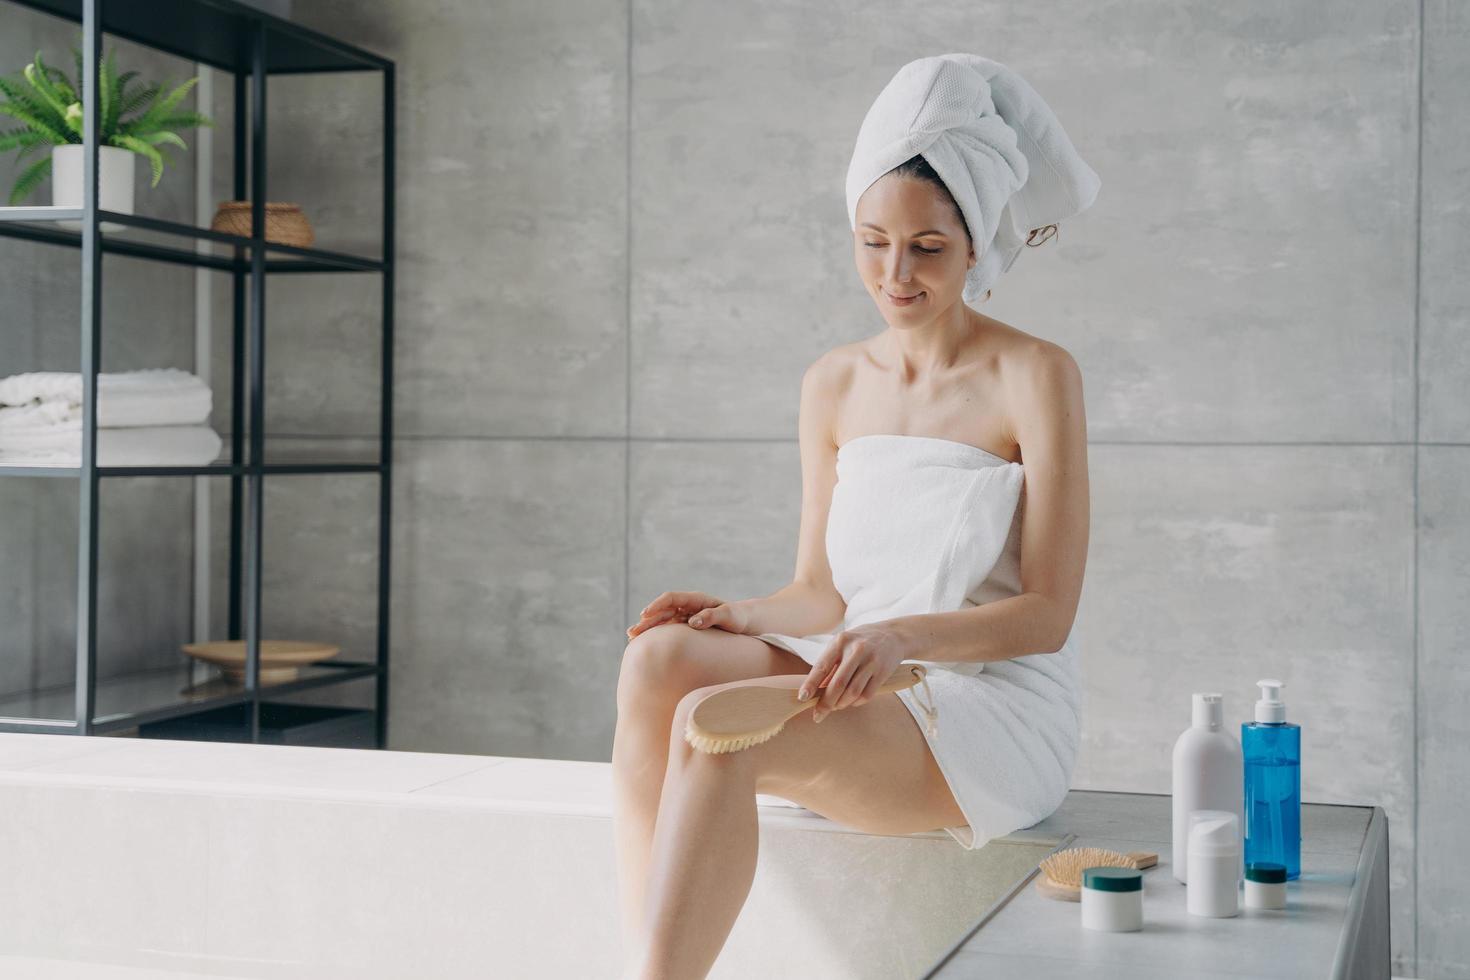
(918, 234)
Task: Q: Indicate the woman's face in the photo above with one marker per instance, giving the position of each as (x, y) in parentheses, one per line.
(910, 243)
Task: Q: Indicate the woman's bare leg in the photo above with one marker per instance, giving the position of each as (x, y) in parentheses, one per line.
(867, 766)
(661, 666)
(703, 862)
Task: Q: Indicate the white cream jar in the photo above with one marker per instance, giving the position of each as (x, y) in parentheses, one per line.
(1265, 885)
(1112, 899)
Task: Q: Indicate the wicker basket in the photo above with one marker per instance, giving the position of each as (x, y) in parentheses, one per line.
(284, 223)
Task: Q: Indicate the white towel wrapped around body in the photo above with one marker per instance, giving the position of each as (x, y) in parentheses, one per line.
(149, 397)
(920, 525)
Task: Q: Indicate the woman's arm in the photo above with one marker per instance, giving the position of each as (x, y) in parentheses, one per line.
(796, 610)
(1051, 429)
(1012, 627)
(811, 603)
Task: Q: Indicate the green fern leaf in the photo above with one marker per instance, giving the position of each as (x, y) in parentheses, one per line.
(148, 122)
(107, 96)
(16, 138)
(145, 121)
(38, 73)
(184, 120)
(35, 73)
(29, 179)
(122, 88)
(63, 85)
(140, 147)
(164, 136)
(174, 97)
(138, 98)
(33, 106)
(38, 125)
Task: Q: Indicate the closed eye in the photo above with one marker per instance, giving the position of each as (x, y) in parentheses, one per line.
(926, 251)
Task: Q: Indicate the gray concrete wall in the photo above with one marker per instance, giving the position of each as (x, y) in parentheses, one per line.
(622, 237)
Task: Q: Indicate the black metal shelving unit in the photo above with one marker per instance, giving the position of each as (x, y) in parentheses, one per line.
(251, 44)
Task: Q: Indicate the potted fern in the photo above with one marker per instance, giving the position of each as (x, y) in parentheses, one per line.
(137, 121)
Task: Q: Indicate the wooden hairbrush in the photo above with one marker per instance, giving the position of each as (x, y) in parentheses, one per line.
(749, 712)
(1061, 873)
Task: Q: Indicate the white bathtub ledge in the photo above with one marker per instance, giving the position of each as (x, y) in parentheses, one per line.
(327, 863)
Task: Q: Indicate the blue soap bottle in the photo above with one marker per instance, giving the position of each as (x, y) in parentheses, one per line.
(1272, 750)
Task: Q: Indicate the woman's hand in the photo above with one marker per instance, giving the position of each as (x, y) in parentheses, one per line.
(699, 609)
(858, 661)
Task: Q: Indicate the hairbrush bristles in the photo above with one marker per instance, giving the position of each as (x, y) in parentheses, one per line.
(1066, 867)
(1061, 872)
(715, 746)
(740, 714)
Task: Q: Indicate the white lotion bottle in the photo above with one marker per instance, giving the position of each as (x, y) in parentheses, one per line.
(1209, 774)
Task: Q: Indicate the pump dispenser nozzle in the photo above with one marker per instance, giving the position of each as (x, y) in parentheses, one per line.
(1270, 709)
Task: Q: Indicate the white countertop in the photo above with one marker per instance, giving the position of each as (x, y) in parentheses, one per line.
(1335, 923)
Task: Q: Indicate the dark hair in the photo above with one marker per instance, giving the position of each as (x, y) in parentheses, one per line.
(918, 168)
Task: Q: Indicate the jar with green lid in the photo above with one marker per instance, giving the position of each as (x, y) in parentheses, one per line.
(1112, 899)
(1265, 885)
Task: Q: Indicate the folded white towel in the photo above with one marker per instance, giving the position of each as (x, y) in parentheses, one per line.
(149, 397)
(166, 445)
(38, 416)
(993, 141)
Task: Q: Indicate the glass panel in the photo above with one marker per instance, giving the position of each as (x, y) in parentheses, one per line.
(320, 579)
(40, 326)
(324, 142)
(165, 320)
(156, 588)
(323, 367)
(38, 595)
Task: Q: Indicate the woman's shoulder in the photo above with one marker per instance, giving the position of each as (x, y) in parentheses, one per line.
(1037, 377)
(1021, 356)
(833, 368)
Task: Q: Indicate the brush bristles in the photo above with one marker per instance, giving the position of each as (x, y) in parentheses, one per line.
(1066, 867)
(714, 745)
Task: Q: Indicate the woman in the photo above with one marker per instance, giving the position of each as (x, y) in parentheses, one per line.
(977, 573)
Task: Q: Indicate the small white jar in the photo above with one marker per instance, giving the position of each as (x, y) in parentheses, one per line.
(1214, 864)
(1265, 885)
(1112, 899)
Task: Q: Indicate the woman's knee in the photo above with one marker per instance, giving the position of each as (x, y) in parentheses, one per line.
(656, 664)
(671, 659)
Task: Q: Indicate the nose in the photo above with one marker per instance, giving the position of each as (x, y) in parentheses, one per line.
(901, 266)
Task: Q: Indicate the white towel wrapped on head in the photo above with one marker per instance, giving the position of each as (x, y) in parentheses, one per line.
(993, 141)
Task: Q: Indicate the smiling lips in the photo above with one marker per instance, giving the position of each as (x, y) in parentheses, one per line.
(903, 300)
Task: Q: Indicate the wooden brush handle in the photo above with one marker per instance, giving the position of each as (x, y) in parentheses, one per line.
(904, 676)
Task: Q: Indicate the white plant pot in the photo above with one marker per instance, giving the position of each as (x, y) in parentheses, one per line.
(114, 181)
